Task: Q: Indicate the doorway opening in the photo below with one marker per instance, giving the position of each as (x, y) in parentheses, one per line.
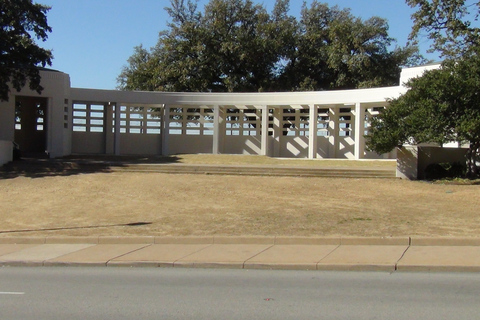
(31, 126)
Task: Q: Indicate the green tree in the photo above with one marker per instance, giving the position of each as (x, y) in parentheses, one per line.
(236, 45)
(20, 56)
(337, 50)
(448, 23)
(140, 72)
(441, 106)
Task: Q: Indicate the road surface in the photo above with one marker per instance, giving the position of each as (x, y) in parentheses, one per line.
(175, 293)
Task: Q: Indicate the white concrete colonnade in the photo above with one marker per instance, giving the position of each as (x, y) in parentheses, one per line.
(324, 124)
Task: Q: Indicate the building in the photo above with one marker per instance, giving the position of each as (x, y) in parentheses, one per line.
(64, 120)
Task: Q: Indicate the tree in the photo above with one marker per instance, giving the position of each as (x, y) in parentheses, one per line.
(19, 55)
(139, 75)
(448, 24)
(441, 106)
(337, 50)
(235, 45)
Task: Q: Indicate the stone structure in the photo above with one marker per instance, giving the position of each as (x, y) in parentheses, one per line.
(64, 120)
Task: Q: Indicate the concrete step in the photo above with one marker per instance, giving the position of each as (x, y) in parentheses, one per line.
(261, 171)
(43, 166)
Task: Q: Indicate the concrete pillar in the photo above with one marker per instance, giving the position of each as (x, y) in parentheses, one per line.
(264, 150)
(277, 131)
(166, 130)
(7, 129)
(333, 131)
(108, 128)
(50, 127)
(116, 136)
(359, 131)
(7, 119)
(312, 132)
(407, 162)
(216, 130)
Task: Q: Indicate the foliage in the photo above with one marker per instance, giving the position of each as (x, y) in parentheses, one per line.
(337, 50)
(19, 55)
(236, 45)
(445, 170)
(441, 106)
(448, 24)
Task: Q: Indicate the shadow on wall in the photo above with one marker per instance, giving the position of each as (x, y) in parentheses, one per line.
(407, 163)
(73, 165)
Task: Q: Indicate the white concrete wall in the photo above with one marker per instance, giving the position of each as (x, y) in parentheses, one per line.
(242, 145)
(88, 143)
(190, 144)
(296, 144)
(57, 89)
(345, 148)
(413, 160)
(6, 151)
(299, 145)
(409, 73)
(140, 144)
(337, 97)
(293, 147)
(407, 163)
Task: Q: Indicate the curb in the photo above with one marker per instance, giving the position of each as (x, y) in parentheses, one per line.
(273, 240)
(385, 254)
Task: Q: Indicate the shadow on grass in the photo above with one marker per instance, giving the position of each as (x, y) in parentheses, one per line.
(132, 224)
(73, 165)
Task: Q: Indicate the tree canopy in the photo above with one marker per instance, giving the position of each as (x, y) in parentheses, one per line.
(441, 106)
(236, 45)
(20, 56)
(450, 24)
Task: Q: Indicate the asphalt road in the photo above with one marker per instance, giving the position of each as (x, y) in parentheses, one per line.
(156, 293)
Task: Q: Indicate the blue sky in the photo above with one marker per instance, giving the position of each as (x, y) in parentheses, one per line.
(92, 39)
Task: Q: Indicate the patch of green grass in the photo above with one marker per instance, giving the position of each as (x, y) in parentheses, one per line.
(457, 181)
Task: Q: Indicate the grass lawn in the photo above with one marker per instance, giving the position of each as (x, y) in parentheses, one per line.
(157, 204)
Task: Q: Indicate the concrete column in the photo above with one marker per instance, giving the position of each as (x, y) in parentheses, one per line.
(277, 131)
(7, 119)
(407, 162)
(108, 127)
(359, 131)
(333, 130)
(264, 150)
(312, 130)
(166, 130)
(116, 136)
(7, 129)
(216, 130)
(49, 126)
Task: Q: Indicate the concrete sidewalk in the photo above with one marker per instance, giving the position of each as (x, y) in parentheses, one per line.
(342, 253)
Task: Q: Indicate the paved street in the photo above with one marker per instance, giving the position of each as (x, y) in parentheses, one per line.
(170, 293)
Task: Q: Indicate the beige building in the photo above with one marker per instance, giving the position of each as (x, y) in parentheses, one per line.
(64, 120)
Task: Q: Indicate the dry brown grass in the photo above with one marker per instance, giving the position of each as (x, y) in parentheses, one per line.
(103, 203)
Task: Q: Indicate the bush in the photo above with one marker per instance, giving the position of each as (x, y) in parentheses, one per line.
(446, 170)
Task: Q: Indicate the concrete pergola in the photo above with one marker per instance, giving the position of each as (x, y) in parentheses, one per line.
(64, 120)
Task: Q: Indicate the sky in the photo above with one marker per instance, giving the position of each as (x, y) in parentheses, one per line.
(93, 39)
